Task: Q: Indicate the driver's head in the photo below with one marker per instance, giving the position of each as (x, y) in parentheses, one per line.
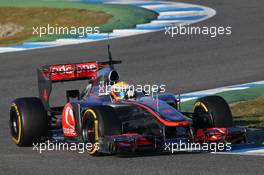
(119, 89)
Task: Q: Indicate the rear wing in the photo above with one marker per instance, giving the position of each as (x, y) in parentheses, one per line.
(70, 72)
(49, 74)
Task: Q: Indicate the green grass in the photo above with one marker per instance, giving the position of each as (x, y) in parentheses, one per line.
(27, 18)
(249, 113)
(123, 16)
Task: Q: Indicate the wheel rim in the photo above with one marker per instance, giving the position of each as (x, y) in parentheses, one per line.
(202, 116)
(90, 132)
(15, 124)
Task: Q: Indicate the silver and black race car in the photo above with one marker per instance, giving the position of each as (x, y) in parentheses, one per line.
(138, 121)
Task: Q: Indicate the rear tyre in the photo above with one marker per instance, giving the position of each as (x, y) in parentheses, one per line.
(97, 123)
(212, 111)
(28, 121)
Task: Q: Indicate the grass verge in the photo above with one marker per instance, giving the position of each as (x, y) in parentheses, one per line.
(122, 16)
(249, 113)
(27, 18)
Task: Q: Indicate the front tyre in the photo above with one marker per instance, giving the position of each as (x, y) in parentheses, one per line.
(98, 122)
(28, 121)
(210, 112)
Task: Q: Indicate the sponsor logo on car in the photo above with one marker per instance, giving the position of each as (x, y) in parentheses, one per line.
(68, 122)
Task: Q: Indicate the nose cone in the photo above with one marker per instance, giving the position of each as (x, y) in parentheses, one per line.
(162, 108)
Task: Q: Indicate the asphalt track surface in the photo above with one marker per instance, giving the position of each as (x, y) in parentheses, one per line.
(184, 64)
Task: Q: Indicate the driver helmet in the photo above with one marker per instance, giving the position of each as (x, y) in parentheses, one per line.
(119, 90)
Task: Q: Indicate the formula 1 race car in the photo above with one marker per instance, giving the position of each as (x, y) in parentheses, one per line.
(114, 124)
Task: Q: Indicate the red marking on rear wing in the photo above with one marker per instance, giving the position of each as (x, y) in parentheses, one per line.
(70, 72)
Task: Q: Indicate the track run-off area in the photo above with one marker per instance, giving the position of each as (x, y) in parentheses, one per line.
(168, 14)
